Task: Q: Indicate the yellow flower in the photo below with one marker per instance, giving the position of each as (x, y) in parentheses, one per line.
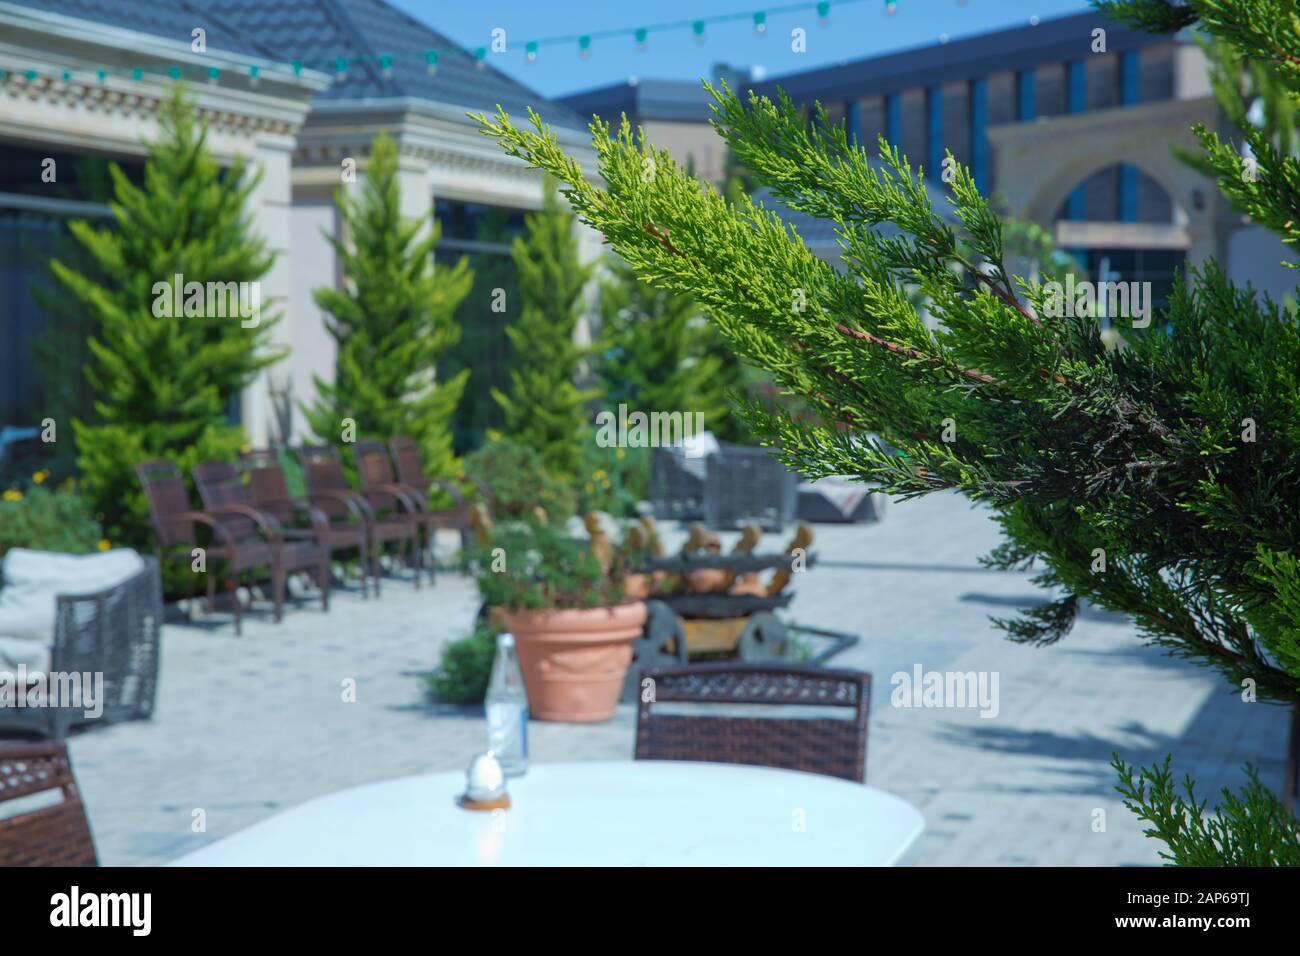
(600, 474)
(12, 495)
(103, 544)
(40, 476)
(590, 488)
(245, 449)
(620, 454)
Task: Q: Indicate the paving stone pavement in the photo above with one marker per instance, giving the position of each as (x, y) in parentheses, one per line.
(245, 727)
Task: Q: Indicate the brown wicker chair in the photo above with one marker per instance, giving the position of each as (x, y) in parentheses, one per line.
(387, 515)
(837, 748)
(410, 472)
(57, 835)
(228, 498)
(339, 522)
(175, 539)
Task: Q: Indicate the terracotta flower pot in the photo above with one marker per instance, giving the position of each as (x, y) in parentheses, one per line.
(574, 660)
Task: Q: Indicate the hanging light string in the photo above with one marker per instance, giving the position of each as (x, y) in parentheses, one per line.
(340, 66)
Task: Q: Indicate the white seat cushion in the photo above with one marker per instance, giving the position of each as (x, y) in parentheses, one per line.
(34, 579)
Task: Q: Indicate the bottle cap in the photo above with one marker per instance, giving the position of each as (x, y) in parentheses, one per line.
(505, 639)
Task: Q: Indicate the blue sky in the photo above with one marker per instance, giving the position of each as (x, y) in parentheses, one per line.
(857, 29)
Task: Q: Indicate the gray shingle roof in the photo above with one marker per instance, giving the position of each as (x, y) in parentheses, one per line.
(315, 32)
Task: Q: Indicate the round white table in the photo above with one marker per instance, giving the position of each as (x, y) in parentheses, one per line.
(635, 813)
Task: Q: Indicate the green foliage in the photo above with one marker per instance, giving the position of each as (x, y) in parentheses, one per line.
(517, 480)
(613, 479)
(392, 322)
(164, 386)
(544, 409)
(1155, 480)
(465, 668)
(533, 565)
(48, 519)
(659, 354)
(1252, 829)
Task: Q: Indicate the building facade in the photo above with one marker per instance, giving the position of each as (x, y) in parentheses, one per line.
(298, 90)
(1070, 123)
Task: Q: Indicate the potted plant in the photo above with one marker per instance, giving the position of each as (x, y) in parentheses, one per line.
(573, 628)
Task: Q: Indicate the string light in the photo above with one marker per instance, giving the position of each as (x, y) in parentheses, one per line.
(253, 74)
(698, 28)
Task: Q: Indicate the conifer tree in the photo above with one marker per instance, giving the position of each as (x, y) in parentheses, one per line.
(393, 321)
(1155, 480)
(545, 410)
(654, 352)
(164, 382)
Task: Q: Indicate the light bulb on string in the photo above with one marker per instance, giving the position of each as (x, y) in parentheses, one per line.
(386, 65)
(584, 47)
(431, 62)
(824, 13)
(640, 39)
(213, 74)
(760, 23)
(530, 51)
(698, 29)
(480, 57)
(340, 69)
(254, 76)
(891, 7)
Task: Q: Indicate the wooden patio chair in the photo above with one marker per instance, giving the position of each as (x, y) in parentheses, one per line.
(238, 545)
(830, 746)
(388, 515)
(229, 499)
(410, 472)
(51, 835)
(337, 521)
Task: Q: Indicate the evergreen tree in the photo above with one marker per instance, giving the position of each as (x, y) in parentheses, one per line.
(654, 352)
(1157, 480)
(164, 383)
(545, 409)
(393, 320)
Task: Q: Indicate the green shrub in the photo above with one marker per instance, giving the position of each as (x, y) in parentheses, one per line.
(517, 480)
(531, 565)
(464, 669)
(48, 520)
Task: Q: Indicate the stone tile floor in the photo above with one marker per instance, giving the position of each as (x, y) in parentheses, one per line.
(248, 726)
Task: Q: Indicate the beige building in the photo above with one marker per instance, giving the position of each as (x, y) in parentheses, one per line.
(297, 97)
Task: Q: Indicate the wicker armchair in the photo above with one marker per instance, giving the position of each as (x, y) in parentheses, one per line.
(113, 632)
(386, 516)
(339, 525)
(410, 472)
(228, 499)
(835, 747)
(57, 835)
